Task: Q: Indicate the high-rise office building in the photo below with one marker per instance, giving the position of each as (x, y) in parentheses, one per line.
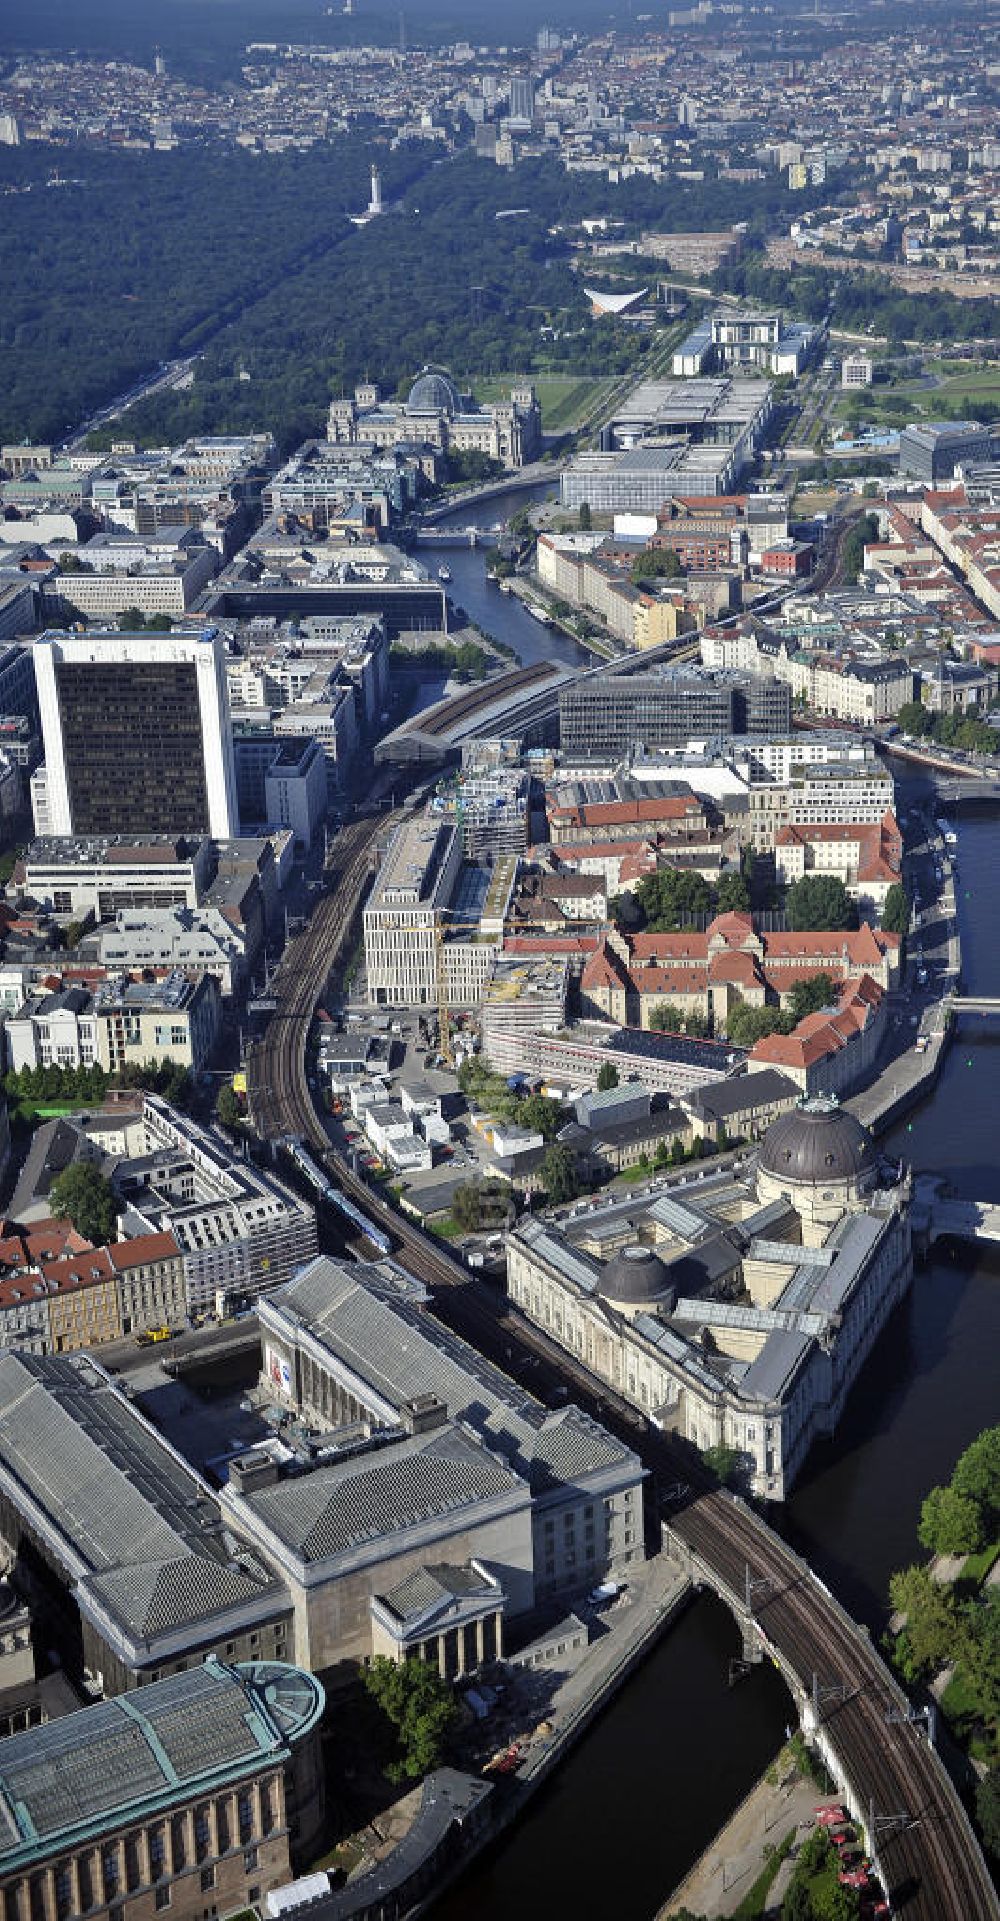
(522, 97)
(137, 734)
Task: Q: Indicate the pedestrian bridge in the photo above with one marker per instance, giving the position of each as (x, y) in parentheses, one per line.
(936, 1214)
(974, 1003)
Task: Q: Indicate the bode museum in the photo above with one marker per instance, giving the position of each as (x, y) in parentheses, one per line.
(735, 1309)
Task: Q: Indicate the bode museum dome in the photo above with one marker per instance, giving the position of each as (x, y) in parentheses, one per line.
(821, 1158)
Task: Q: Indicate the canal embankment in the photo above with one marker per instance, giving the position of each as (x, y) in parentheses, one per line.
(780, 1804)
(909, 1076)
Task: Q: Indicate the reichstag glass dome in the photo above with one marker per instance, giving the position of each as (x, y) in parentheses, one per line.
(434, 392)
(816, 1142)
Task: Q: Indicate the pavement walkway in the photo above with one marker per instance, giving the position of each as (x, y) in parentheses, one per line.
(718, 1881)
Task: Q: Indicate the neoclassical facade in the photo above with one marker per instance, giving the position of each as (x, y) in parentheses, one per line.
(733, 1312)
(435, 414)
(192, 1797)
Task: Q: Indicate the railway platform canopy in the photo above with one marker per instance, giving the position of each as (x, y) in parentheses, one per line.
(507, 703)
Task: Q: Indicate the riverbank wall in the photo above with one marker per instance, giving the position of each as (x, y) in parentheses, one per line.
(907, 1080)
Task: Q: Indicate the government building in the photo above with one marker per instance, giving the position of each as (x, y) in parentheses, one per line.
(435, 414)
(734, 1311)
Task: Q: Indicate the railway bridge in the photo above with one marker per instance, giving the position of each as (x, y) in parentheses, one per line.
(876, 1747)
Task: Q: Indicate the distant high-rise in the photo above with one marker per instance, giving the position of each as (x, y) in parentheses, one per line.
(375, 203)
(137, 734)
(522, 97)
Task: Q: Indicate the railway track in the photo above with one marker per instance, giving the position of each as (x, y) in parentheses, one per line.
(925, 1845)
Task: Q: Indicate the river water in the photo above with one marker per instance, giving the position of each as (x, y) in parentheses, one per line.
(502, 615)
(665, 1765)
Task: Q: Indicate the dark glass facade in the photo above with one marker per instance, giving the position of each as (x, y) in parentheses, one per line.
(133, 747)
(613, 715)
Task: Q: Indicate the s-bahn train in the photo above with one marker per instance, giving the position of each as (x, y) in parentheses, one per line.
(325, 1190)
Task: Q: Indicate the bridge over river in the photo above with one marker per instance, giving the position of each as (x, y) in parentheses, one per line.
(938, 1214)
(919, 1837)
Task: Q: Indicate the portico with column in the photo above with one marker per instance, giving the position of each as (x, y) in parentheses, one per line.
(451, 1617)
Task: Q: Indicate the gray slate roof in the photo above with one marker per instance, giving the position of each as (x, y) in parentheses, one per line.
(367, 1316)
(139, 1531)
(349, 1503)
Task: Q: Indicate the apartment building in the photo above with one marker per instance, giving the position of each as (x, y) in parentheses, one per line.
(189, 940)
(241, 1232)
(124, 1022)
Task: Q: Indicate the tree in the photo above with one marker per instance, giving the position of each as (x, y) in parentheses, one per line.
(988, 1809)
(746, 1025)
(479, 1205)
(86, 1197)
(951, 1523)
(665, 1018)
(896, 912)
(670, 899)
(586, 517)
(228, 1112)
(733, 895)
(931, 1617)
(977, 1475)
(539, 1115)
(420, 1706)
(722, 1460)
(558, 1175)
(819, 903)
(809, 996)
(979, 1651)
(655, 563)
(852, 553)
(607, 1077)
(797, 1904)
(914, 718)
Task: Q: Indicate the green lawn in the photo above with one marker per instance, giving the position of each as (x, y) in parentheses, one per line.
(968, 1720)
(447, 1228)
(564, 398)
(957, 386)
(977, 1567)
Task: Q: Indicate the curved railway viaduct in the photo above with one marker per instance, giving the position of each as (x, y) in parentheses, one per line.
(919, 1835)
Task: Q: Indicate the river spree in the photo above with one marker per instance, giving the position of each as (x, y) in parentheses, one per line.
(674, 1753)
(501, 615)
